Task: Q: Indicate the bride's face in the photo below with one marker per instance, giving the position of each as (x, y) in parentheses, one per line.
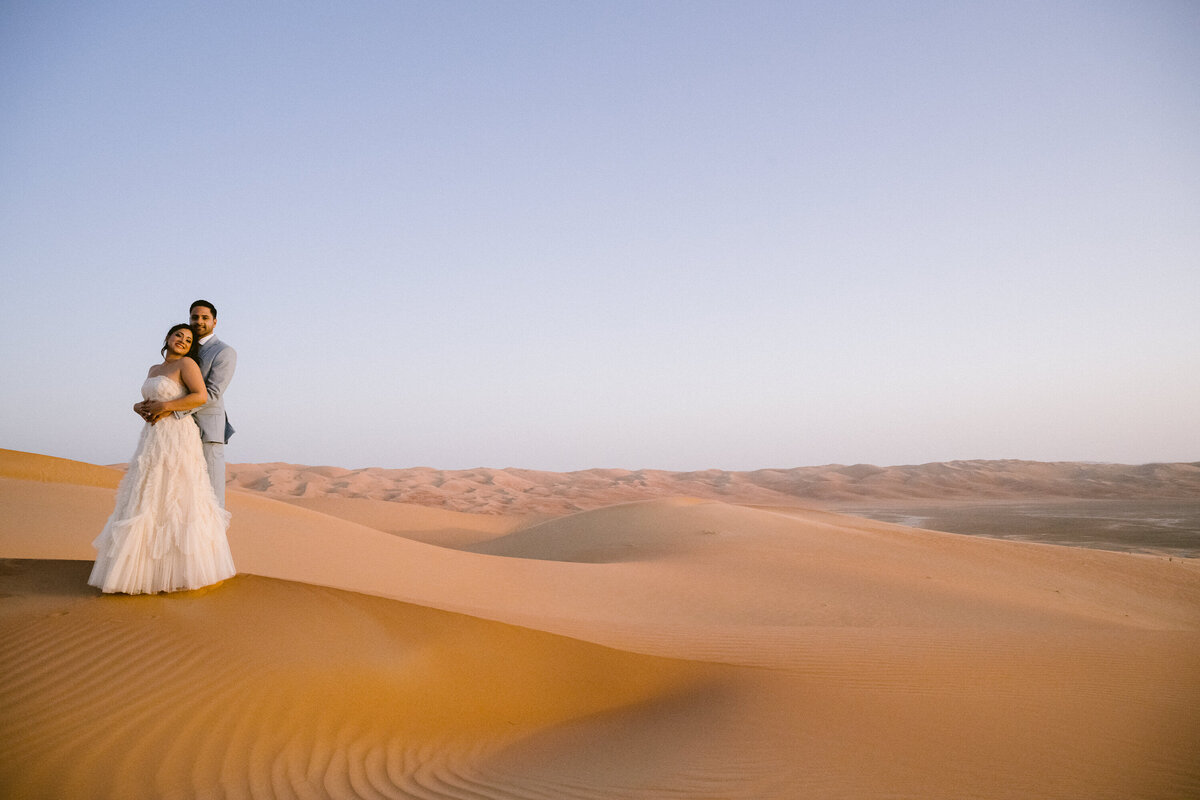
(180, 342)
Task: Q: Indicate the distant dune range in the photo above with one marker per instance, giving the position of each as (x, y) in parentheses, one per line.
(1150, 508)
(522, 491)
(679, 646)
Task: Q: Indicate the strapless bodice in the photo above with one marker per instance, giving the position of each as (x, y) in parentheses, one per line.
(162, 387)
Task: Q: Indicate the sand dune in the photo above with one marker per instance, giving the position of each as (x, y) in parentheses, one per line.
(523, 491)
(677, 647)
(32, 467)
(422, 523)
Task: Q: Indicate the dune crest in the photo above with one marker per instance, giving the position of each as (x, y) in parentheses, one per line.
(48, 469)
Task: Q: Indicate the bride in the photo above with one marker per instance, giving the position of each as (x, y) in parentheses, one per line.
(167, 531)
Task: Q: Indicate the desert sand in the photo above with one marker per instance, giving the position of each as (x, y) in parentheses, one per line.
(524, 491)
(673, 647)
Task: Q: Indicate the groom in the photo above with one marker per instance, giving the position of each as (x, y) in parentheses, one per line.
(217, 362)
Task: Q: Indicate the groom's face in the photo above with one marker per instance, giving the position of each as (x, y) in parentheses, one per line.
(203, 321)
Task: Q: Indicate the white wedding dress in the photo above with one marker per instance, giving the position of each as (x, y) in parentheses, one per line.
(167, 532)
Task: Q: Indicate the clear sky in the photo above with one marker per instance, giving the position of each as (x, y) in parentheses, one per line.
(562, 235)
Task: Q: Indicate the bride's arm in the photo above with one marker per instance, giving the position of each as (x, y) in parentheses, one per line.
(197, 395)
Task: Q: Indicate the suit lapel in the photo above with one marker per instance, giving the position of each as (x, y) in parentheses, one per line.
(208, 351)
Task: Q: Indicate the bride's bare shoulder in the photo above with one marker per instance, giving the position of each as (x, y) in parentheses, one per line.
(189, 367)
(189, 374)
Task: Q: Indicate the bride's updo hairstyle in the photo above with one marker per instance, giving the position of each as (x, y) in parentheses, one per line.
(194, 353)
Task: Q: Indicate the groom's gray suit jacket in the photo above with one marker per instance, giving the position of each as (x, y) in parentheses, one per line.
(217, 362)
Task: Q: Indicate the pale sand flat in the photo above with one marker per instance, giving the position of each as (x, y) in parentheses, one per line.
(765, 655)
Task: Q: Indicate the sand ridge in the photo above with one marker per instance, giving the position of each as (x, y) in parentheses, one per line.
(48, 469)
(422, 523)
(677, 647)
(523, 491)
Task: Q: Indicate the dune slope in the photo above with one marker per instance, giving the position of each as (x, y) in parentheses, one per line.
(674, 647)
(273, 688)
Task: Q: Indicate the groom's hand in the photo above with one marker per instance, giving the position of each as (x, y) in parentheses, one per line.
(150, 410)
(155, 411)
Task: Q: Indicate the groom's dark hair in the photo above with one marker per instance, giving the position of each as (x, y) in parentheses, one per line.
(206, 304)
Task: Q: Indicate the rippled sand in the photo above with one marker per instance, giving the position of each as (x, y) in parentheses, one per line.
(676, 648)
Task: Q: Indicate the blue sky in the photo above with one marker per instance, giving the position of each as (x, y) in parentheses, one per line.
(672, 235)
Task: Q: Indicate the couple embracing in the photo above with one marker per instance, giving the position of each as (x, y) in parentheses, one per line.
(167, 532)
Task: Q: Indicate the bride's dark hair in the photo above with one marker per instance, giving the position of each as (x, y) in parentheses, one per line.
(193, 353)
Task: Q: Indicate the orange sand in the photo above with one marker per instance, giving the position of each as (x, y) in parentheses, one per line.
(676, 648)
